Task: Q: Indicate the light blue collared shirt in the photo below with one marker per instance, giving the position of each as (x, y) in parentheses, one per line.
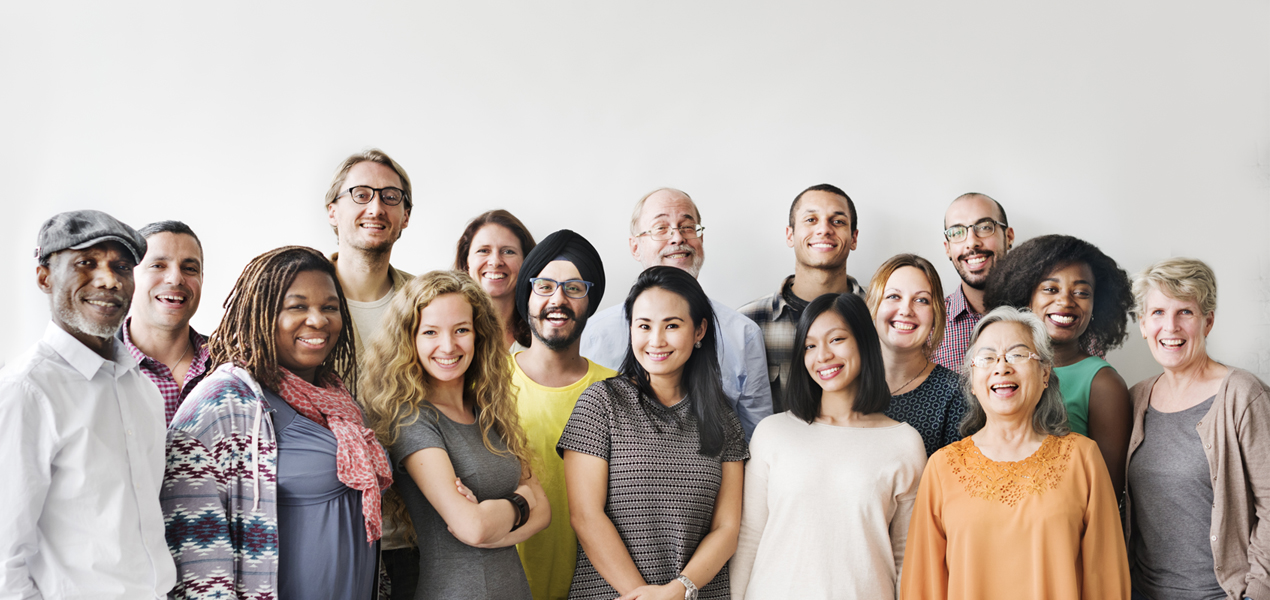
(742, 360)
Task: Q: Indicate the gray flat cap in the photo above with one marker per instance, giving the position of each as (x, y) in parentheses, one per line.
(79, 229)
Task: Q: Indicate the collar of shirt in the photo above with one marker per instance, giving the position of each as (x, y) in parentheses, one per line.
(83, 359)
(957, 304)
(779, 305)
(197, 340)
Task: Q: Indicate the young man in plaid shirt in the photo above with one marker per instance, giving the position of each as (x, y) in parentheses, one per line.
(822, 231)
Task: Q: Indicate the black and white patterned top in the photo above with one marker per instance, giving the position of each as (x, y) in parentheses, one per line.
(934, 408)
(661, 492)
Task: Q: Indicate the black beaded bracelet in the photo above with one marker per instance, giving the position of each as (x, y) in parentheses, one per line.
(522, 509)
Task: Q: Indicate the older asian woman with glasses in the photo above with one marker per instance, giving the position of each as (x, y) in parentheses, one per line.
(1021, 507)
(1199, 454)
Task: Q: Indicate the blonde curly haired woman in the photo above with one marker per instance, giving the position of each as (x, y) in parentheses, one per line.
(439, 397)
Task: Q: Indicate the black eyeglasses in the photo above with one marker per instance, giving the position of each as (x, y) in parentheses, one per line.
(983, 228)
(362, 194)
(573, 288)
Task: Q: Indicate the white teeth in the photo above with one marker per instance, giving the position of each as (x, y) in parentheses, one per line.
(496, 276)
(903, 326)
(830, 372)
(1004, 386)
(822, 246)
(313, 341)
(447, 361)
(1172, 343)
(976, 260)
(1063, 319)
(172, 298)
(100, 303)
(658, 355)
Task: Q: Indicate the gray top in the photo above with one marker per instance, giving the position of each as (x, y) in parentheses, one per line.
(448, 568)
(1169, 480)
(322, 549)
(661, 491)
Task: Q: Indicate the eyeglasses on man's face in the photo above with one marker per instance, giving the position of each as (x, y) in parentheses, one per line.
(984, 227)
(573, 288)
(1014, 357)
(662, 233)
(362, 194)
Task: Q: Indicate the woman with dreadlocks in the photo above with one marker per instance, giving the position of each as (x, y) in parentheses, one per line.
(272, 488)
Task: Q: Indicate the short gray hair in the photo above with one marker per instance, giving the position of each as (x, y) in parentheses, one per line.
(639, 208)
(1050, 416)
(1185, 279)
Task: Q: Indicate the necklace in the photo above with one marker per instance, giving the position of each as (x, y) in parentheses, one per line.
(176, 364)
(919, 374)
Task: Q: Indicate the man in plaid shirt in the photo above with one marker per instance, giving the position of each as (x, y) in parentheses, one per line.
(822, 231)
(976, 234)
(157, 333)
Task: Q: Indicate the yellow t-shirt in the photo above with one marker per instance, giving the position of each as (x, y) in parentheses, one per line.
(550, 555)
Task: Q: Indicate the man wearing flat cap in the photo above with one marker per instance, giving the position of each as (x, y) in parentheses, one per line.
(81, 431)
(561, 283)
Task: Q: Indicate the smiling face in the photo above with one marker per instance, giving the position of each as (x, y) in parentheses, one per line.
(446, 339)
(1003, 389)
(821, 236)
(1176, 330)
(671, 209)
(662, 333)
(494, 259)
(906, 313)
(557, 320)
(90, 290)
(309, 324)
(372, 227)
(1064, 301)
(169, 282)
(831, 354)
(974, 257)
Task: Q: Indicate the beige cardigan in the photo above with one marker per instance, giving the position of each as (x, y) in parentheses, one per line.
(1236, 438)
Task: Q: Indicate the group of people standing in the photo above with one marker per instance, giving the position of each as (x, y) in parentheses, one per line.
(351, 431)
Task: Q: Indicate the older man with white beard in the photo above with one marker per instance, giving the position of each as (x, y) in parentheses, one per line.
(82, 431)
(666, 230)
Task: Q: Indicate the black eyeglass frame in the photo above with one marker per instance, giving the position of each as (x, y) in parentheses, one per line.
(559, 285)
(373, 191)
(976, 227)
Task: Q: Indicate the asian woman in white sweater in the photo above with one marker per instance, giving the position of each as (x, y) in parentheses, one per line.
(830, 484)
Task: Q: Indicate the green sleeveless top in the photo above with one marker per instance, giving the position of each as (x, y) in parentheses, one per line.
(1073, 382)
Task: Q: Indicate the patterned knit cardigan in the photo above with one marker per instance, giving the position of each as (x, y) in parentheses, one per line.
(220, 491)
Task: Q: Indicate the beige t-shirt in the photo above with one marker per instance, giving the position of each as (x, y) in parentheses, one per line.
(366, 319)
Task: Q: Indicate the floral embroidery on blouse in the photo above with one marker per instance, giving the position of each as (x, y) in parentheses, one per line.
(1009, 482)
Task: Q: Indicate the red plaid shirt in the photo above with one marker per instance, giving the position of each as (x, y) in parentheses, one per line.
(161, 375)
(959, 325)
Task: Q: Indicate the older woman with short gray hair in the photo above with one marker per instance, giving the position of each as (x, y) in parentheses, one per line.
(1199, 453)
(1021, 506)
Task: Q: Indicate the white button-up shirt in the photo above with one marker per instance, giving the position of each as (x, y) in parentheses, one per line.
(81, 464)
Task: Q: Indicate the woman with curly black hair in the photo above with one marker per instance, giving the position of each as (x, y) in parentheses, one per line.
(1084, 298)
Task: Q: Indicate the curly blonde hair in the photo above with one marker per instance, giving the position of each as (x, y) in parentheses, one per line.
(395, 386)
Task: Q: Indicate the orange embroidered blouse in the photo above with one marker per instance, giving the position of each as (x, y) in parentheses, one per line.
(1043, 527)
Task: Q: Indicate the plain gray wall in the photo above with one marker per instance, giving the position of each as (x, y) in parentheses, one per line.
(1143, 127)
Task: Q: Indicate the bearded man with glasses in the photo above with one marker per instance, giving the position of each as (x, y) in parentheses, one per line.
(666, 230)
(976, 236)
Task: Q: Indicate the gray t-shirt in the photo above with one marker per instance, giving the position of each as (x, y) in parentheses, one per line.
(1169, 479)
(448, 568)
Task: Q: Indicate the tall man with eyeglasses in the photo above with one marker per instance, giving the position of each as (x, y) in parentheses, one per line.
(976, 234)
(560, 285)
(822, 231)
(666, 230)
(368, 205)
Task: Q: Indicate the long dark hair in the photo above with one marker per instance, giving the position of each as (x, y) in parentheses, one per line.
(248, 333)
(872, 395)
(701, 376)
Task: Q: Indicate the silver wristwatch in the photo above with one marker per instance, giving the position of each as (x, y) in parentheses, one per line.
(690, 589)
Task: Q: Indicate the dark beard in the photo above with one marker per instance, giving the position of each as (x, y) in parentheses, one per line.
(558, 344)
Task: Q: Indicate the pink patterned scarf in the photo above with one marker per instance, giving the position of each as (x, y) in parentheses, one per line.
(359, 459)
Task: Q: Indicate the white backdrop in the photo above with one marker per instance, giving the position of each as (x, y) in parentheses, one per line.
(1143, 127)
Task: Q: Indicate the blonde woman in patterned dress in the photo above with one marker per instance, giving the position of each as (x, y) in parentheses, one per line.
(1022, 507)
